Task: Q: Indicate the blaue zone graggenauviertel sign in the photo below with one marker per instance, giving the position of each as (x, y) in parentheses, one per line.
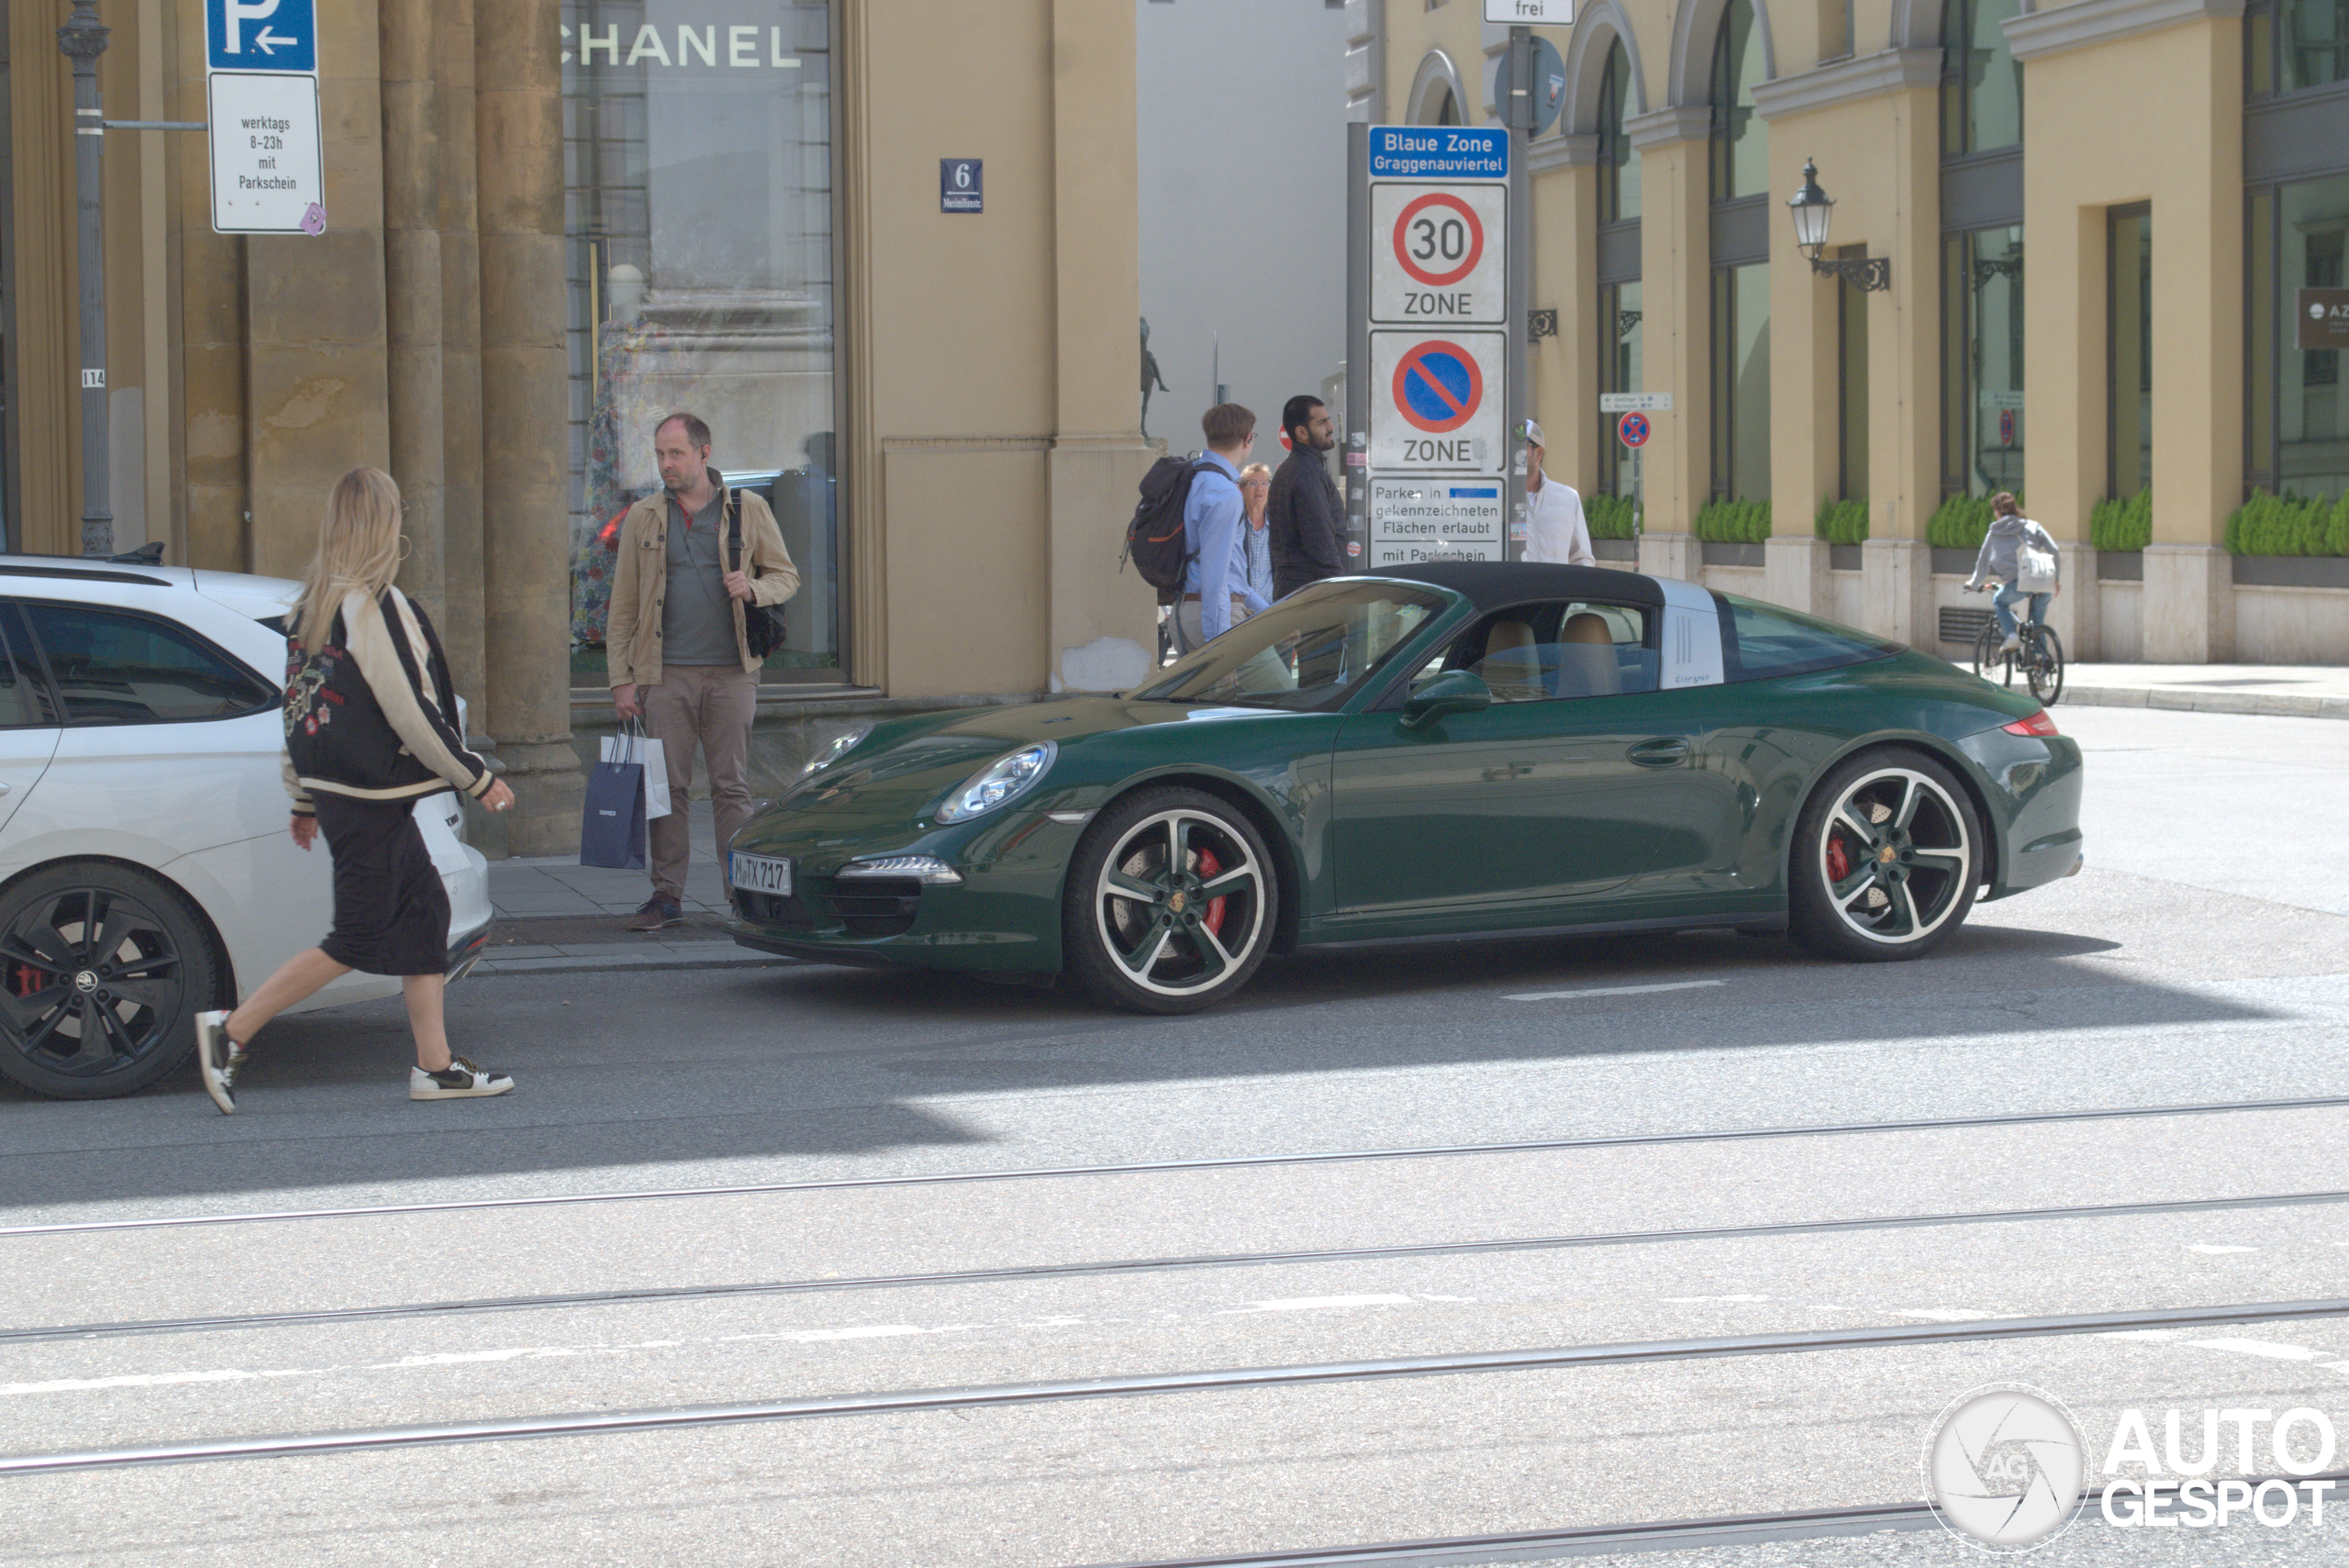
(1439, 153)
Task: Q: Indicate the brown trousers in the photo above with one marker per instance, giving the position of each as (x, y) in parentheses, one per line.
(709, 705)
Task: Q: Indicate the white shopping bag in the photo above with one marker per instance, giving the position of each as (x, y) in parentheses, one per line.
(633, 745)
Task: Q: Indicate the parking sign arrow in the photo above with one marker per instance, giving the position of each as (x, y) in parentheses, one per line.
(268, 40)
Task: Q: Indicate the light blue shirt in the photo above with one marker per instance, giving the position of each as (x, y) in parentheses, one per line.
(1259, 560)
(1216, 525)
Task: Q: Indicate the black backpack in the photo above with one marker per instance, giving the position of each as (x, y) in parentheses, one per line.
(1156, 540)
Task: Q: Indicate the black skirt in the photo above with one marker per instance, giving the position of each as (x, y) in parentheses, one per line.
(391, 910)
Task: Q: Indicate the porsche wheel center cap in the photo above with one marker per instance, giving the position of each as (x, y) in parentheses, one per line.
(1887, 854)
(1175, 904)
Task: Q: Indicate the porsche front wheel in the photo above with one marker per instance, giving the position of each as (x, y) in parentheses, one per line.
(1887, 854)
(1171, 903)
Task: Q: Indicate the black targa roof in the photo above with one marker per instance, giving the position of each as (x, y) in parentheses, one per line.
(1490, 585)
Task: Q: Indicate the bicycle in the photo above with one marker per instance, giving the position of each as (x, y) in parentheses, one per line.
(2039, 659)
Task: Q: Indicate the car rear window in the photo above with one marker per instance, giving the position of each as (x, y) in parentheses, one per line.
(1760, 641)
(112, 668)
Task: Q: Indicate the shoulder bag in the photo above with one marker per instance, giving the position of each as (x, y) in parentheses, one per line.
(763, 625)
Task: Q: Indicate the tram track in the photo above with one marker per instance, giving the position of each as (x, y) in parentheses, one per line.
(1316, 1157)
(1680, 1535)
(914, 1401)
(660, 1295)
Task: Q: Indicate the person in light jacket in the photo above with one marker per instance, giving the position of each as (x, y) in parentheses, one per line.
(2008, 530)
(1555, 528)
(371, 729)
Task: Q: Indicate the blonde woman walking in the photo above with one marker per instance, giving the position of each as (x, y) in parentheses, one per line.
(370, 729)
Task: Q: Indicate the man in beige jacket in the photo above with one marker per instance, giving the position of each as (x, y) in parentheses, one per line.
(676, 646)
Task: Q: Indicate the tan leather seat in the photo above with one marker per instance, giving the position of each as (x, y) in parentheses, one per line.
(1587, 666)
(1513, 663)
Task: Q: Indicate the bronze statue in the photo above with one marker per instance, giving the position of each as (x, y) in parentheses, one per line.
(1149, 375)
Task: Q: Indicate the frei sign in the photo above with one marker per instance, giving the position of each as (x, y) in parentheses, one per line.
(1438, 459)
(261, 87)
(1531, 13)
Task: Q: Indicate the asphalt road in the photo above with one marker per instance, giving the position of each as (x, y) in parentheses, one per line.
(942, 1197)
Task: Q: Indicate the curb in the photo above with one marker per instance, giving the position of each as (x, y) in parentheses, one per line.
(601, 964)
(2274, 705)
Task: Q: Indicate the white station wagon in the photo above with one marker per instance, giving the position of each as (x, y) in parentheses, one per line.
(146, 872)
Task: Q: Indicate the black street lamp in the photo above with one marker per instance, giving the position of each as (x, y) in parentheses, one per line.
(1811, 208)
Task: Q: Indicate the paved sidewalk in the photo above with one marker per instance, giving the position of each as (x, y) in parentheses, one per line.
(583, 912)
(2293, 691)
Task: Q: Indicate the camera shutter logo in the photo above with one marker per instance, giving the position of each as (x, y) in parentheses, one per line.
(2003, 1467)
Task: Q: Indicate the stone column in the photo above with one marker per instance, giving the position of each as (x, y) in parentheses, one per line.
(2188, 599)
(315, 393)
(524, 505)
(1564, 369)
(1904, 359)
(1675, 330)
(460, 295)
(211, 316)
(1102, 634)
(412, 290)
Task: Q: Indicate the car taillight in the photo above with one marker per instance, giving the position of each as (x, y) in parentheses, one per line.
(2037, 724)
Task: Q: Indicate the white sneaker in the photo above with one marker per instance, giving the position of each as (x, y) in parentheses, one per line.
(220, 1057)
(463, 1081)
(2012, 645)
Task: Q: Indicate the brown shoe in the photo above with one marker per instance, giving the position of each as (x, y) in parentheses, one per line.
(656, 913)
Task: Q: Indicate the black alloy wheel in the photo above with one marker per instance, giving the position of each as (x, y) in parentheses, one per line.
(102, 969)
(1887, 855)
(1171, 904)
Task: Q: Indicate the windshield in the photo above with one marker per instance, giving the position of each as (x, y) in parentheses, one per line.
(1310, 651)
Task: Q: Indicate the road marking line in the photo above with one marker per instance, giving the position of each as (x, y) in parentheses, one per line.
(2259, 1348)
(1317, 1304)
(2210, 1250)
(1611, 991)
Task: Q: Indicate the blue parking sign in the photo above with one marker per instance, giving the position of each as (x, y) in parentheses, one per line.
(262, 35)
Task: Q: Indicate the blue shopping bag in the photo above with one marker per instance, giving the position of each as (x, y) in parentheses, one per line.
(611, 828)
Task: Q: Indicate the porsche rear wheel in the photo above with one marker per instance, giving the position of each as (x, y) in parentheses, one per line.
(1171, 904)
(1887, 855)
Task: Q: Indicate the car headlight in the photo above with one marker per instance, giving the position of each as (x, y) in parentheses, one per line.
(1006, 778)
(840, 748)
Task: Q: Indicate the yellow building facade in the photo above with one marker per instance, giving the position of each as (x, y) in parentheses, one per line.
(2095, 224)
(552, 222)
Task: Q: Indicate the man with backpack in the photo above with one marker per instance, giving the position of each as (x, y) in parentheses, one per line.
(1214, 580)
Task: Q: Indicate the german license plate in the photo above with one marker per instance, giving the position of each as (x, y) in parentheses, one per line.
(761, 874)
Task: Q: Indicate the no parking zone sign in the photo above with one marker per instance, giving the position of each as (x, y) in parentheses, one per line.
(1436, 403)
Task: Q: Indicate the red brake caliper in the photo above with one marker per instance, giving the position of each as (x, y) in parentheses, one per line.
(1207, 868)
(1839, 863)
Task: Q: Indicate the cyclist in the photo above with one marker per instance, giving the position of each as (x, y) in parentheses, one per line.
(2011, 537)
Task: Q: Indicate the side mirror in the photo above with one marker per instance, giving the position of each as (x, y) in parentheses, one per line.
(1455, 691)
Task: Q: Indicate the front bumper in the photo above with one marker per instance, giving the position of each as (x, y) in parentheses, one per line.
(1004, 915)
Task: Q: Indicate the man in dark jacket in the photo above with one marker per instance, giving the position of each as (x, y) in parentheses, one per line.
(1305, 524)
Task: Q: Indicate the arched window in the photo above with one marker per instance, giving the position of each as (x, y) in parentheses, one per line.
(1740, 141)
(1443, 108)
(1618, 165)
(1981, 83)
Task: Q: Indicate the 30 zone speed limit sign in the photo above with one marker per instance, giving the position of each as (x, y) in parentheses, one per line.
(1438, 254)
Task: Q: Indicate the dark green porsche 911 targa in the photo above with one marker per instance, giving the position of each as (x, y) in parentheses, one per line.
(1444, 751)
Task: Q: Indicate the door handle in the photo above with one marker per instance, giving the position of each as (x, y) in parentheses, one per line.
(1665, 752)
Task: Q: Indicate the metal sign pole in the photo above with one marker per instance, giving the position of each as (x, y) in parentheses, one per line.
(82, 40)
(1639, 506)
(1353, 422)
(1516, 113)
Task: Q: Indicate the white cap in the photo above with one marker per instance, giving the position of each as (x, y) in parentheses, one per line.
(1533, 434)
